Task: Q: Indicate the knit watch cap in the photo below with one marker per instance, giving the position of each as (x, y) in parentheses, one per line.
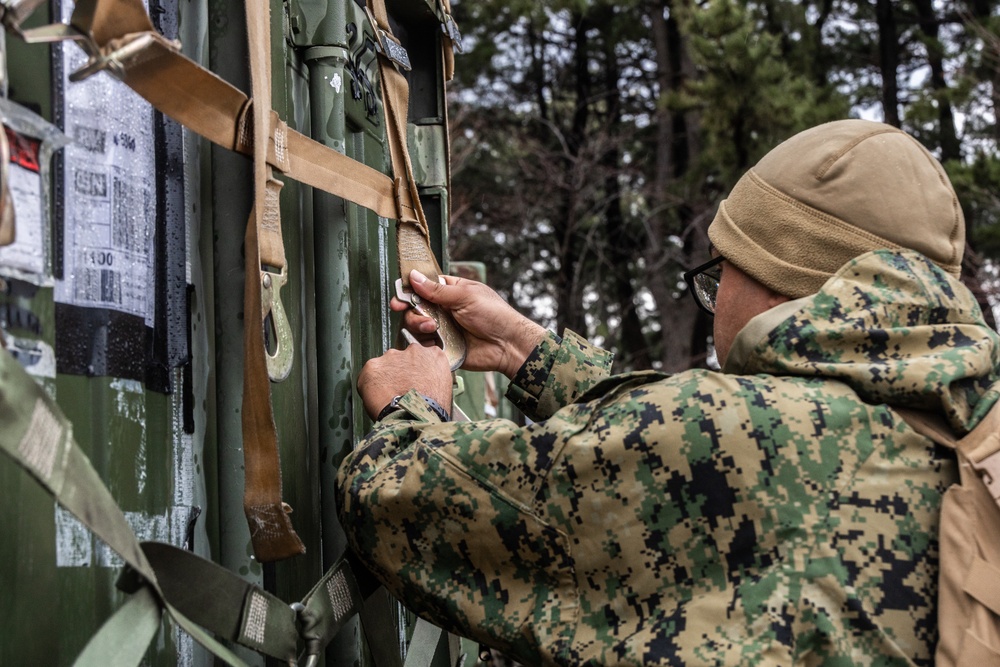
(832, 193)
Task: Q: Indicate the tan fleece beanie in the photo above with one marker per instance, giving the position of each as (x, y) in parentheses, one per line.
(832, 193)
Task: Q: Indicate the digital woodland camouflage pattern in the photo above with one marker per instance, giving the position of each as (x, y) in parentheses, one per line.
(777, 516)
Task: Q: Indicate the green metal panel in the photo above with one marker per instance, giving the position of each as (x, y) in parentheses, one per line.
(171, 445)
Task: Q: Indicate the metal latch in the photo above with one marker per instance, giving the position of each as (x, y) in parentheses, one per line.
(450, 28)
(279, 363)
(116, 61)
(456, 350)
(387, 45)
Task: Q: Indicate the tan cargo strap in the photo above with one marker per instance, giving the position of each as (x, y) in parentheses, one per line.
(6, 199)
(199, 100)
(271, 530)
(119, 37)
(412, 236)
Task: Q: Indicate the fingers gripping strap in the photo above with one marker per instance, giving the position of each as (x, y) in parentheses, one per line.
(412, 235)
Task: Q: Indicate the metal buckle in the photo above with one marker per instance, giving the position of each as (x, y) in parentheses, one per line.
(450, 28)
(115, 61)
(456, 355)
(387, 45)
(13, 12)
(312, 659)
(279, 364)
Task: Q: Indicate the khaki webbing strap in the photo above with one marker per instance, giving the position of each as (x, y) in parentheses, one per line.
(968, 593)
(223, 603)
(271, 530)
(412, 237)
(208, 105)
(119, 37)
(36, 435)
(6, 199)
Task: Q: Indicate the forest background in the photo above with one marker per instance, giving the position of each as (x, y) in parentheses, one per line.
(593, 140)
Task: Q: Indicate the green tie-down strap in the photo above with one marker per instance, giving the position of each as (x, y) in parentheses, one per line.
(197, 594)
(34, 432)
(224, 603)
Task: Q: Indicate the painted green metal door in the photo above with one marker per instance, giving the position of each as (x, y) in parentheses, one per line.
(138, 304)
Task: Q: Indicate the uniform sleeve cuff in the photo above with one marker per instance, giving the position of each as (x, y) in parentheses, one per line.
(556, 372)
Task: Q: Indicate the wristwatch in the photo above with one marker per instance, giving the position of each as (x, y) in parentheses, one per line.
(394, 405)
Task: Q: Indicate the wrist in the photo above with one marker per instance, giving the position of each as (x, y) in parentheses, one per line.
(522, 346)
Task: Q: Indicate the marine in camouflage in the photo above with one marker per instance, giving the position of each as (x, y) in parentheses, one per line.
(777, 513)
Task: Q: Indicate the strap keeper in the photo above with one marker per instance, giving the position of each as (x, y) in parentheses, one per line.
(405, 210)
(243, 141)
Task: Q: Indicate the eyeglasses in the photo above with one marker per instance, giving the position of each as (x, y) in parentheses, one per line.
(703, 281)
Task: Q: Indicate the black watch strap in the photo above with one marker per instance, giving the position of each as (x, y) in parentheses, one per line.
(436, 407)
(390, 407)
(393, 406)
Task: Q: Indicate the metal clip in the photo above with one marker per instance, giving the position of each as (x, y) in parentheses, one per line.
(115, 61)
(279, 364)
(456, 353)
(450, 28)
(387, 45)
(312, 659)
(118, 60)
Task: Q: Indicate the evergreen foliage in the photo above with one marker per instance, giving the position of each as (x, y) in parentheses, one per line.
(593, 140)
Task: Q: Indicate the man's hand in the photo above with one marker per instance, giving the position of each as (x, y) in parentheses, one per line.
(425, 369)
(498, 337)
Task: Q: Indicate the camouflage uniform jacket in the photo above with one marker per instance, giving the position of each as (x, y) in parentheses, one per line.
(777, 513)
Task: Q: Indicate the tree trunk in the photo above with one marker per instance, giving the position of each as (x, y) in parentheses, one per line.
(568, 291)
(683, 339)
(888, 49)
(633, 352)
(948, 136)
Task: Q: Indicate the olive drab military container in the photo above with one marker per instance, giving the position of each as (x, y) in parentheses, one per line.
(123, 297)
